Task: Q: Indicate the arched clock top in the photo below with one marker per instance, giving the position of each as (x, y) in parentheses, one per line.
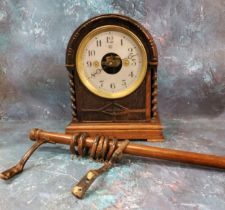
(111, 19)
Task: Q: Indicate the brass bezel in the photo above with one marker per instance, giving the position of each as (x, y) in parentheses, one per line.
(79, 65)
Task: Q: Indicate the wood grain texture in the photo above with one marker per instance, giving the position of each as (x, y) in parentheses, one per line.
(144, 130)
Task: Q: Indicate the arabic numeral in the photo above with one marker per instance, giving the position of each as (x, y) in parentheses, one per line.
(99, 43)
(112, 86)
(130, 49)
(131, 74)
(91, 53)
(124, 83)
(109, 39)
(89, 63)
(101, 83)
(121, 42)
(133, 63)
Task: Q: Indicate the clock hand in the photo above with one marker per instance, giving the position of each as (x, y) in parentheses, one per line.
(130, 56)
(98, 71)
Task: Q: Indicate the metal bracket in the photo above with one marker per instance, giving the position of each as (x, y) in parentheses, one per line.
(83, 185)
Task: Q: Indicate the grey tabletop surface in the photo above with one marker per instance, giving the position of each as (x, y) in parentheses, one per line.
(133, 183)
(190, 40)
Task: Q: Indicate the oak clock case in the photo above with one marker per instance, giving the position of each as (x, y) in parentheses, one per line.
(112, 63)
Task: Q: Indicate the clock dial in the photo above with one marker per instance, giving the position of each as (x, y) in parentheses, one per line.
(111, 61)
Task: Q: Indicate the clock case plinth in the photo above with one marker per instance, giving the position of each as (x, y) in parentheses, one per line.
(132, 117)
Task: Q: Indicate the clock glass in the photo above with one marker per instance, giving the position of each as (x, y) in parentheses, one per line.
(111, 61)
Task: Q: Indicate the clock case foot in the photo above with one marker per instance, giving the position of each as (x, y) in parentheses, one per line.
(152, 132)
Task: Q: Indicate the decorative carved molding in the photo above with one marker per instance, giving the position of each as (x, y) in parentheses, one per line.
(73, 96)
(114, 109)
(154, 95)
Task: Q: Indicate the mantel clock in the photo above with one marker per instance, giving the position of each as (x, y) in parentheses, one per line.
(112, 64)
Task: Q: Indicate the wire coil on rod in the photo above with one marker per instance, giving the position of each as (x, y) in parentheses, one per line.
(101, 149)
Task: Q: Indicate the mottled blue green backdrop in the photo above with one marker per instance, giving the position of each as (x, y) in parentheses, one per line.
(190, 36)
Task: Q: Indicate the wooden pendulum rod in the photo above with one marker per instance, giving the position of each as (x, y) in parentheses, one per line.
(140, 150)
(108, 151)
